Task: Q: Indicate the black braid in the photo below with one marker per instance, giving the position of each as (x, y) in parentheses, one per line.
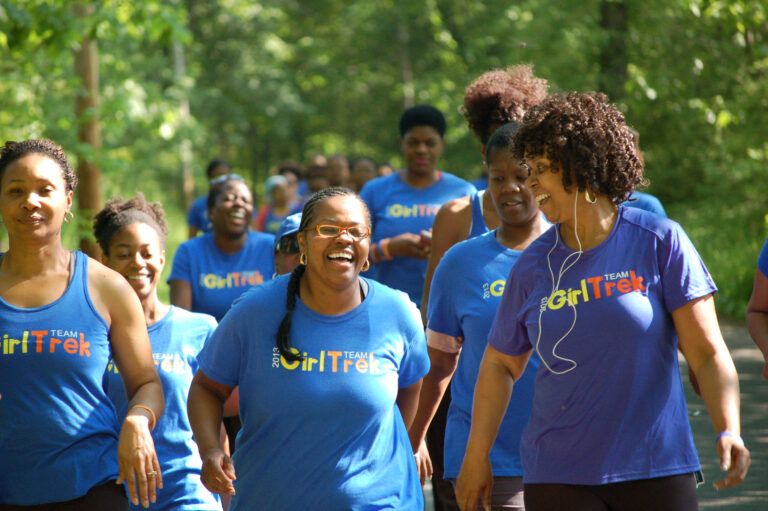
(307, 215)
(283, 332)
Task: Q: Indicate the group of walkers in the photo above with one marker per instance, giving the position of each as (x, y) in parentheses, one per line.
(544, 312)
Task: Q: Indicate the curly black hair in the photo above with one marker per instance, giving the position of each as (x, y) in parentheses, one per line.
(588, 138)
(12, 151)
(501, 96)
(119, 213)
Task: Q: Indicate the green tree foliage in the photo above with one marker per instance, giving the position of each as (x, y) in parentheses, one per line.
(281, 79)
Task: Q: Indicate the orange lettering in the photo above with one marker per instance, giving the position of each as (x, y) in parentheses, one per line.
(70, 345)
(624, 286)
(595, 281)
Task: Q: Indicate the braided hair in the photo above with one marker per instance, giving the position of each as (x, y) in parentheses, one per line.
(307, 217)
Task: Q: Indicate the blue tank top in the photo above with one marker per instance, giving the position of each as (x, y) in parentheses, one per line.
(478, 222)
(58, 428)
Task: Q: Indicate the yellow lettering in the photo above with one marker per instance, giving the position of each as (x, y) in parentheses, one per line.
(497, 287)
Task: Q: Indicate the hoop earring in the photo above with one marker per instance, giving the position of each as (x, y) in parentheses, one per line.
(586, 196)
(366, 265)
(303, 259)
(69, 218)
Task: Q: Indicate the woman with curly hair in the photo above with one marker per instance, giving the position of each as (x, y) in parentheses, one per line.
(494, 99)
(132, 234)
(62, 317)
(604, 298)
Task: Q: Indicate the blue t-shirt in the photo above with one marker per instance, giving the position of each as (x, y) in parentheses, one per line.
(465, 294)
(397, 208)
(762, 260)
(324, 433)
(480, 183)
(197, 216)
(647, 202)
(615, 410)
(58, 428)
(176, 341)
(218, 278)
(478, 222)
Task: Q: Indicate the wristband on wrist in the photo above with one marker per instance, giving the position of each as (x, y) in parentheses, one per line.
(726, 433)
(384, 246)
(153, 417)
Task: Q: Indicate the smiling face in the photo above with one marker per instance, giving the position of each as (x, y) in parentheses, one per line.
(422, 148)
(546, 183)
(335, 261)
(34, 197)
(232, 211)
(514, 201)
(136, 253)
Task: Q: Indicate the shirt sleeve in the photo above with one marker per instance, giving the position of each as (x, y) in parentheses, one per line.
(367, 195)
(508, 333)
(684, 277)
(762, 261)
(182, 269)
(196, 214)
(442, 316)
(415, 362)
(222, 353)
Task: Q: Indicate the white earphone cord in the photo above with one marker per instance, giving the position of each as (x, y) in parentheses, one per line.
(555, 288)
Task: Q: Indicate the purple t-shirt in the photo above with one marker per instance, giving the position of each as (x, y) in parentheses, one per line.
(609, 403)
(762, 260)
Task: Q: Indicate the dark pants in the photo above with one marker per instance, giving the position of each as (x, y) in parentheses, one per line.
(442, 490)
(104, 497)
(673, 493)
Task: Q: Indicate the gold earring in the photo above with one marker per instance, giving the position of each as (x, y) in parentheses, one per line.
(303, 259)
(586, 196)
(69, 218)
(366, 265)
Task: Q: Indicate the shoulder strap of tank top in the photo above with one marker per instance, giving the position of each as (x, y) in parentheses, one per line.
(478, 222)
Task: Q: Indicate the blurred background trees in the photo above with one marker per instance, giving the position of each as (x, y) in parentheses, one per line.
(182, 81)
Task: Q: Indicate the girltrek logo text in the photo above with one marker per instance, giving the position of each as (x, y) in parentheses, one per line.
(46, 341)
(595, 288)
(329, 361)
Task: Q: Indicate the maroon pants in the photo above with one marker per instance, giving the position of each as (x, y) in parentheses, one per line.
(672, 493)
(104, 497)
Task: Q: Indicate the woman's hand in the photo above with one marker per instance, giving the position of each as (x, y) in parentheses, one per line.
(409, 244)
(218, 471)
(423, 462)
(474, 484)
(137, 460)
(734, 459)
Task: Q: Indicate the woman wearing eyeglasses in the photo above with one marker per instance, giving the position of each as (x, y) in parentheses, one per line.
(329, 366)
(211, 271)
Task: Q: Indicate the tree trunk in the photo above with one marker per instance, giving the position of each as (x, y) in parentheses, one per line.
(89, 135)
(613, 56)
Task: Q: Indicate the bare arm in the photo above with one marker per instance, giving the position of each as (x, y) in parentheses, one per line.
(757, 316)
(407, 400)
(704, 348)
(205, 406)
(181, 294)
(433, 386)
(498, 372)
(442, 367)
(132, 352)
(451, 225)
